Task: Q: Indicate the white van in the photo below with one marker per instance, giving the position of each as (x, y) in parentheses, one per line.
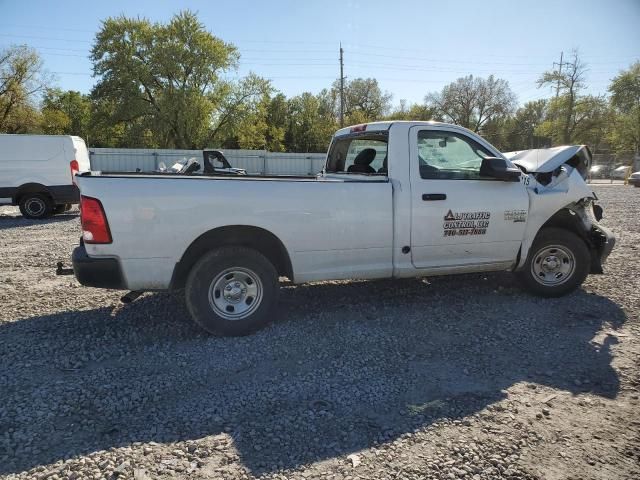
(37, 172)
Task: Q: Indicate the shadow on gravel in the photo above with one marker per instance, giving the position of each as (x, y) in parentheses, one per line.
(348, 365)
(17, 221)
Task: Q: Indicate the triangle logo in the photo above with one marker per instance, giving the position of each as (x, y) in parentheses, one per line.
(449, 216)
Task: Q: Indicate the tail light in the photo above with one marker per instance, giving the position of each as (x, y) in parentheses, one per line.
(95, 228)
(75, 168)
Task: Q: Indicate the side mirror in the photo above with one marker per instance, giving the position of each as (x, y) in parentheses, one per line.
(499, 168)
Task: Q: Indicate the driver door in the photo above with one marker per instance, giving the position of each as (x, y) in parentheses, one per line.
(458, 218)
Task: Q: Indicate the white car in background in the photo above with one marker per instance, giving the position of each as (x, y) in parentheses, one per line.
(620, 173)
(598, 171)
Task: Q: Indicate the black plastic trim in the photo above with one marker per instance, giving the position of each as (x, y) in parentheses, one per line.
(427, 197)
(65, 193)
(97, 272)
(60, 194)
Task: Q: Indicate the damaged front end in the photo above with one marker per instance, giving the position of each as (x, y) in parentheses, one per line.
(582, 217)
(560, 197)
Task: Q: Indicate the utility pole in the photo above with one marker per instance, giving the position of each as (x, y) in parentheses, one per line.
(341, 88)
(559, 73)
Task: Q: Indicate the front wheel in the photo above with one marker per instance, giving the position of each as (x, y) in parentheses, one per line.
(558, 263)
(232, 291)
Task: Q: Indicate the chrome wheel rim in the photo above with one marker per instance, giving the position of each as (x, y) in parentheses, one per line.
(34, 207)
(553, 265)
(235, 293)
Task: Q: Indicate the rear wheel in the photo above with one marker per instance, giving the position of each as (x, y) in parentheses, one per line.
(36, 205)
(232, 291)
(557, 264)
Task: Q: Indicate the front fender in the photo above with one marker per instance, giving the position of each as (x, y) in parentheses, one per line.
(545, 203)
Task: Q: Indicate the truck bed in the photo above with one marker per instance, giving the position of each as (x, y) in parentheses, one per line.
(323, 224)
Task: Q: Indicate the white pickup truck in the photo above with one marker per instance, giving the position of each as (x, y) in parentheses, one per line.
(395, 199)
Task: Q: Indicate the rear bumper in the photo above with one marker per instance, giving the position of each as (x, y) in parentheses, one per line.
(97, 272)
(65, 194)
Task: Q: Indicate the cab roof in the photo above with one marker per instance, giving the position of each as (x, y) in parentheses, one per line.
(382, 126)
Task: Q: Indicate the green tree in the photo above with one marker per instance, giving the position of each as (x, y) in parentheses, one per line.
(364, 101)
(239, 119)
(22, 80)
(472, 102)
(520, 131)
(624, 133)
(569, 81)
(587, 123)
(162, 83)
(415, 111)
(276, 119)
(310, 124)
(66, 113)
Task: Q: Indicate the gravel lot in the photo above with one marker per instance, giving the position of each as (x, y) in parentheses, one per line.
(460, 377)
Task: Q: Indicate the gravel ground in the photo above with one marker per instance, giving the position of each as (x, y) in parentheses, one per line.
(459, 377)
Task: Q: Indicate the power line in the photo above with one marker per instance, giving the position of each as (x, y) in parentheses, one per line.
(46, 38)
(44, 27)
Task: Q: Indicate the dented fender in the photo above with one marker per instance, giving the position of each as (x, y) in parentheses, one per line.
(565, 192)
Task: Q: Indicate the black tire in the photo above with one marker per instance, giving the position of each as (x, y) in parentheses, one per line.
(562, 260)
(36, 206)
(219, 277)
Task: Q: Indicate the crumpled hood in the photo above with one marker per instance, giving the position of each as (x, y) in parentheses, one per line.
(545, 160)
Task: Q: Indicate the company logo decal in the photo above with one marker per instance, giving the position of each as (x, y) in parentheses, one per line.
(466, 223)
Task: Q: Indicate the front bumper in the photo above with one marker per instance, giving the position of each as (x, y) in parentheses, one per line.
(603, 241)
(97, 272)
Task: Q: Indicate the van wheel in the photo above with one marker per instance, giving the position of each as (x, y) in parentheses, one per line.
(232, 291)
(558, 263)
(35, 205)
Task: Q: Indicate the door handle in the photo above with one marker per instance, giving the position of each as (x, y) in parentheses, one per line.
(427, 197)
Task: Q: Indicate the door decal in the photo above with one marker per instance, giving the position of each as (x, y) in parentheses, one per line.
(515, 215)
(466, 223)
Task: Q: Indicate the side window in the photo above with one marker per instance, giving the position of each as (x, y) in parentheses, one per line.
(449, 156)
(360, 154)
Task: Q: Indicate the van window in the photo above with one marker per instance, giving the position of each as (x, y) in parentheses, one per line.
(359, 154)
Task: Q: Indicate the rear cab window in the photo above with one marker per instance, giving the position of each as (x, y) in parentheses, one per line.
(359, 153)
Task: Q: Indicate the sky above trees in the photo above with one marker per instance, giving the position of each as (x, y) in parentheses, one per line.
(411, 47)
(164, 84)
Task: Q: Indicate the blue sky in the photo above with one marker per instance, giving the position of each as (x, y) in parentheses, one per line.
(411, 47)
